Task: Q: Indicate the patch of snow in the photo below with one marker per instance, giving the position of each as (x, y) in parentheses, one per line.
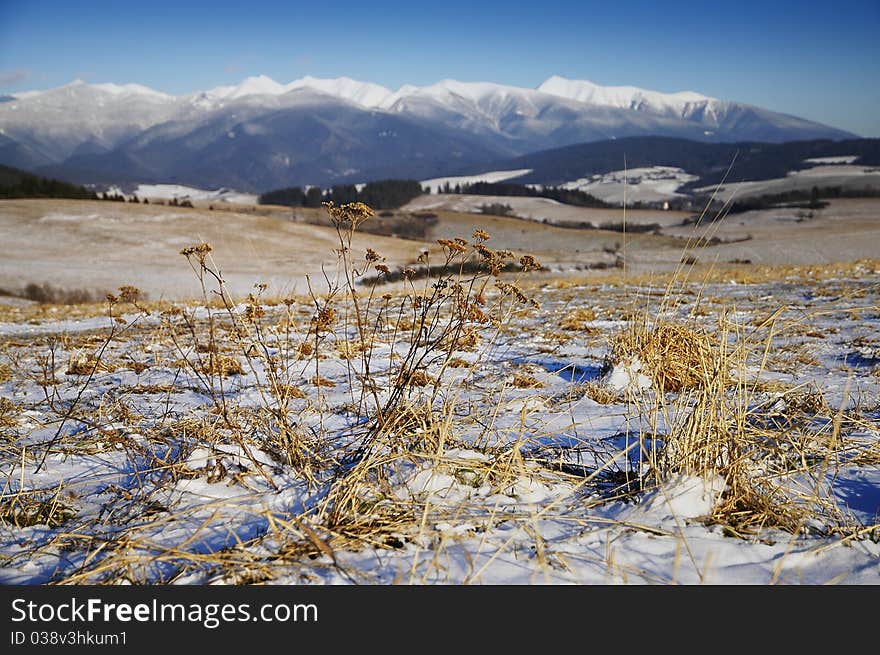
(180, 192)
(842, 159)
(627, 375)
(648, 184)
(438, 183)
(682, 497)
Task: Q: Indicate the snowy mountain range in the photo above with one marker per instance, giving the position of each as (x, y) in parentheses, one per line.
(261, 134)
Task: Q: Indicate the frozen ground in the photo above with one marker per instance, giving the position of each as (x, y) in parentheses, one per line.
(170, 191)
(651, 184)
(125, 460)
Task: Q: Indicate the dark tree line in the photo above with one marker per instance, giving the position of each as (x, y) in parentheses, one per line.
(565, 196)
(384, 194)
(15, 183)
(815, 198)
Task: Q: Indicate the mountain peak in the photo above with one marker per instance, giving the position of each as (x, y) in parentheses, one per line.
(366, 94)
(255, 85)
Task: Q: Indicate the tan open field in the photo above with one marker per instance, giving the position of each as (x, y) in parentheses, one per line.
(99, 246)
(102, 245)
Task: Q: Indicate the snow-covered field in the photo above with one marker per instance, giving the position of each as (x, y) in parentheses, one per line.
(172, 191)
(824, 174)
(543, 209)
(182, 444)
(437, 183)
(650, 184)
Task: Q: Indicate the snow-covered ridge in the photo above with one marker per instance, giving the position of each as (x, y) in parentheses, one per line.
(368, 94)
(624, 97)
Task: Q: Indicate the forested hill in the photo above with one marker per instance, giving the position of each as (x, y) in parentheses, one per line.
(709, 161)
(15, 183)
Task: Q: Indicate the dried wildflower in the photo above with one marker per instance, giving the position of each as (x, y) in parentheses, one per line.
(350, 214)
(383, 269)
(452, 246)
(508, 289)
(372, 256)
(253, 312)
(129, 294)
(481, 235)
(529, 263)
(201, 250)
(477, 315)
(323, 320)
(486, 253)
(408, 273)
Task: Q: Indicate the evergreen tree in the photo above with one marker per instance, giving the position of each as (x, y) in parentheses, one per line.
(314, 197)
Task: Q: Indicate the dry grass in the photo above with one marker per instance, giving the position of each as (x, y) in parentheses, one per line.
(577, 320)
(526, 381)
(676, 357)
(87, 364)
(704, 416)
(25, 509)
(9, 412)
(222, 365)
(600, 393)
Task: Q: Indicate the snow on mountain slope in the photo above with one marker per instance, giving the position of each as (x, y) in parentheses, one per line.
(624, 97)
(95, 132)
(58, 121)
(437, 183)
(365, 94)
(684, 104)
(258, 85)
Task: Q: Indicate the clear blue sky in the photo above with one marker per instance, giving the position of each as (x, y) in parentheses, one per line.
(818, 60)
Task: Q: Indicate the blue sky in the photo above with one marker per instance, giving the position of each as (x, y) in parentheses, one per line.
(818, 60)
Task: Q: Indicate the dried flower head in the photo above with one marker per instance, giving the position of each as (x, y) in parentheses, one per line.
(453, 246)
(529, 263)
(200, 249)
(349, 215)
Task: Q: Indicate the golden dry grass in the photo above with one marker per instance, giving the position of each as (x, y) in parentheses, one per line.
(676, 357)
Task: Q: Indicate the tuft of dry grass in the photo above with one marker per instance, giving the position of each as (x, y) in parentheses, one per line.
(87, 364)
(676, 357)
(577, 320)
(524, 380)
(25, 509)
(8, 413)
(222, 365)
(600, 393)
